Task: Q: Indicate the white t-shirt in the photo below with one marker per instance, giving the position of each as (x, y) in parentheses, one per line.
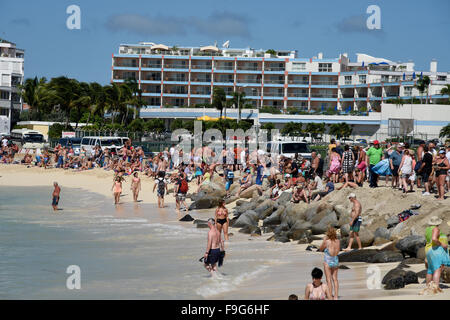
(319, 183)
(243, 157)
(4, 142)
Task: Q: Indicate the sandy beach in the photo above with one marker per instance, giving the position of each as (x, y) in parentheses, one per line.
(277, 282)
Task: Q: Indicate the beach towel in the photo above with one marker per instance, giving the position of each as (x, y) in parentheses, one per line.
(382, 168)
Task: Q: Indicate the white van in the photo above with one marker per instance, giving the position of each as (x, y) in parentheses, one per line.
(28, 139)
(88, 143)
(290, 148)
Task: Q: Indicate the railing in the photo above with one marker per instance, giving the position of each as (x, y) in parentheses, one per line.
(248, 81)
(273, 94)
(152, 79)
(274, 81)
(226, 80)
(176, 66)
(201, 92)
(318, 95)
(157, 66)
(295, 94)
(175, 79)
(298, 82)
(224, 68)
(127, 65)
(334, 83)
(176, 92)
(274, 69)
(201, 66)
(201, 80)
(247, 68)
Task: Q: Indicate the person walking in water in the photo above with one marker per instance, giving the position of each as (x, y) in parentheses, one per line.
(135, 186)
(355, 222)
(55, 196)
(160, 182)
(331, 246)
(213, 247)
(117, 189)
(222, 220)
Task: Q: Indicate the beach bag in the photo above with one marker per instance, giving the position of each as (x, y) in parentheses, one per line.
(404, 215)
(382, 168)
(183, 186)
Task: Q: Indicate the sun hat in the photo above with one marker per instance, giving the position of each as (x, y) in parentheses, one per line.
(352, 195)
(434, 221)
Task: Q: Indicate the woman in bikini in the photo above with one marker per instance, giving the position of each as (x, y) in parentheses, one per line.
(331, 246)
(135, 186)
(222, 221)
(117, 187)
(317, 290)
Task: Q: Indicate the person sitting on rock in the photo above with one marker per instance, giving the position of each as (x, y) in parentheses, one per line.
(436, 250)
(329, 187)
(246, 182)
(299, 194)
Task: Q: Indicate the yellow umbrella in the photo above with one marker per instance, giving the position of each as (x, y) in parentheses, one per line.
(207, 118)
(223, 117)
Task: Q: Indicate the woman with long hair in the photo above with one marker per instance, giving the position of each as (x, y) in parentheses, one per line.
(222, 220)
(331, 246)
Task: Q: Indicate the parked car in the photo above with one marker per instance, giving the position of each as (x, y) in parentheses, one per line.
(75, 143)
(347, 141)
(361, 141)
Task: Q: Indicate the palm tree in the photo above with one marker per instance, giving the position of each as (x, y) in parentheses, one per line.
(445, 132)
(98, 100)
(422, 85)
(136, 96)
(67, 94)
(446, 91)
(238, 100)
(117, 100)
(219, 99)
(36, 94)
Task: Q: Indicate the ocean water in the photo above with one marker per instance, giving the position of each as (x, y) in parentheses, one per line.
(132, 251)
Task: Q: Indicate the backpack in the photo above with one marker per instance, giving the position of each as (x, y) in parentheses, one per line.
(230, 175)
(184, 187)
(161, 184)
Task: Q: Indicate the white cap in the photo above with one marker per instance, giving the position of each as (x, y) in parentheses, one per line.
(352, 195)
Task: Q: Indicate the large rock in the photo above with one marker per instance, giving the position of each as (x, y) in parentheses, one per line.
(382, 232)
(363, 255)
(392, 274)
(411, 244)
(249, 217)
(322, 210)
(328, 220)
(214, 189)
(386, 256)
(248, 193)
(206, 202)
(187, 217)
(445, 275)
(245, 206)
(397, 278)
(366, 237)
(264, 209)
(297, 234)
(392, 222)
(274, 218)
(231, 199)
(345, 230)
(284, 198)
(249, 229)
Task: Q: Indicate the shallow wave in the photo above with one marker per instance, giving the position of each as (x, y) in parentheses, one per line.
(220, 284)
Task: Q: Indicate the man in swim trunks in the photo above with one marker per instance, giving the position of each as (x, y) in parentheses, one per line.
(213, 247)
(355, 222)
(55, 196)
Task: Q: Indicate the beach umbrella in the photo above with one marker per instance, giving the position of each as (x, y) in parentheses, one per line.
(404, 76)
(206, 118)
(414, 75)
(363, 64)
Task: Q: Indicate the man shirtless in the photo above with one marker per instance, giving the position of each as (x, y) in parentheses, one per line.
(55, 195)
(355, 222)
(213, 247)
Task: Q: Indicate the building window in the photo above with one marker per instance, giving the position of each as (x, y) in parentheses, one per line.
(362, 79)
(384, 78)
(408, 91)
(325, 67)
(298, 66)
(441, 78)
(348, 79)
(4, 95)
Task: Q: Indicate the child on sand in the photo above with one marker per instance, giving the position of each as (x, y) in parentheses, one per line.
(162, 188)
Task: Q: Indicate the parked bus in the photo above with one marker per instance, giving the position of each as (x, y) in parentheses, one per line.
(28, 139)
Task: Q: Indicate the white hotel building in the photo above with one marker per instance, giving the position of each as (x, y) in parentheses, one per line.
(11, 76)
(184, 77)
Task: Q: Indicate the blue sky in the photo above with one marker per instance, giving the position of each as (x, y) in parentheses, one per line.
(410, 30)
